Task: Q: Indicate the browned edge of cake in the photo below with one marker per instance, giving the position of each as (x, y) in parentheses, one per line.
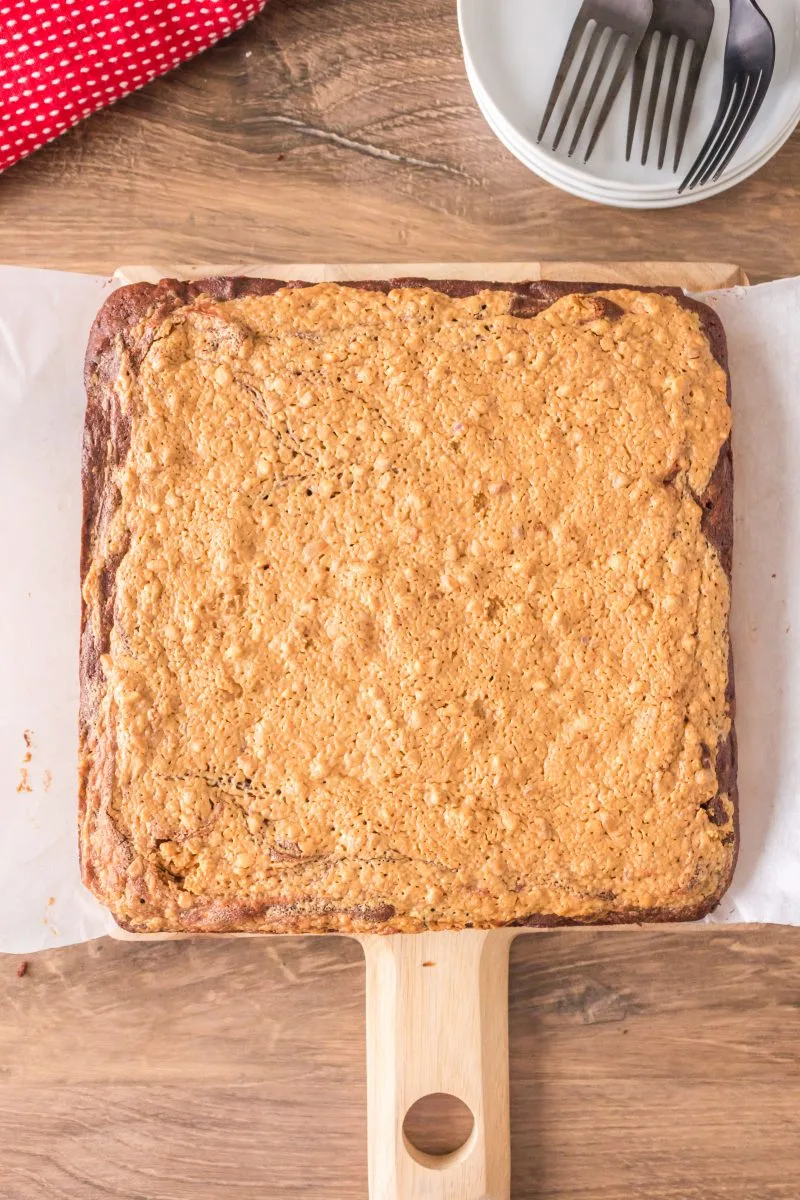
(126, 325)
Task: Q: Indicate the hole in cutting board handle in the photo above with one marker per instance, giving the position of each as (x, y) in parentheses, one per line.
(437, 1130)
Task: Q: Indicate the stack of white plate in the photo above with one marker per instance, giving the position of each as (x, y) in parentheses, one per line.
(512, 50)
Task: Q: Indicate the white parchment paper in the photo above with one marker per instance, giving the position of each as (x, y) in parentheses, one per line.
(763, 328)
(44, 321)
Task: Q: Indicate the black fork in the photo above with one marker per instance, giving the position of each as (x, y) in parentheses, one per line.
(615, 30)
(690, 22)
(749, 63)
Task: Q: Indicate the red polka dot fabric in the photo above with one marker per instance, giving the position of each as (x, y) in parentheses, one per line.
(63, 59)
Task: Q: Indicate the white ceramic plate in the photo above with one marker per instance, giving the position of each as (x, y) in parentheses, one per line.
(607, 194)
(512, 49)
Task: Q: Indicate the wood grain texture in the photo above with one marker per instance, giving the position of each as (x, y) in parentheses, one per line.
(344, 129)
(655, 1065)
(660, 1065)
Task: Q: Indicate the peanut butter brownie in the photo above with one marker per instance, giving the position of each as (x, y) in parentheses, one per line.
(405, 606)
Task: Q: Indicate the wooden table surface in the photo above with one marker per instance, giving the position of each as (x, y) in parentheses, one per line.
(649, 1065)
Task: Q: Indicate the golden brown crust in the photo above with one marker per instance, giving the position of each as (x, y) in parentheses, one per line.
(120, 340)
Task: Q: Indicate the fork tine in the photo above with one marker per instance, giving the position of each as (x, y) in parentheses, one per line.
(655, 88)
(570, 50)
(594, 87)
(711, 142)
(639, 72)
(689, 93)
(669, 104)
(739, 112)
(719, 130)
(578, 84)
(621, 70)
(762, 87)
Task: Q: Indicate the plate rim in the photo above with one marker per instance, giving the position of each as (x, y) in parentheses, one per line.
(495, 122)
(612, 200)
(579, 177)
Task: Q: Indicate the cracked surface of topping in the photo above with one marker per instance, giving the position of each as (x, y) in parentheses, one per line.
(414, 623)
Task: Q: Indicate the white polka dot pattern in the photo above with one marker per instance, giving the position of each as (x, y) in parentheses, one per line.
(61, 60)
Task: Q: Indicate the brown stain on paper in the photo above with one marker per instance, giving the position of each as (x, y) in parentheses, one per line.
(24, 784)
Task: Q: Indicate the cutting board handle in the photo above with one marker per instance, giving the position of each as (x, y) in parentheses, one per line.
(437, 1021)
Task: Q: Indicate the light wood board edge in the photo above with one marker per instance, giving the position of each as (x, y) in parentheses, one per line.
(694, 277)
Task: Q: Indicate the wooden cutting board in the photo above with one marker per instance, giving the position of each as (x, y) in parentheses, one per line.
(437, 1003)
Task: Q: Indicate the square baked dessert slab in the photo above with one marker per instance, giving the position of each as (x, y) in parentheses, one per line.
(405, 606)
